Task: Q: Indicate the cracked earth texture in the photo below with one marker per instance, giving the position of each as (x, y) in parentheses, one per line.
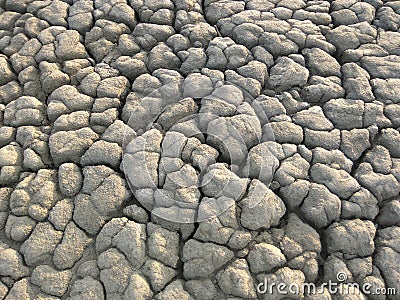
(187, 149)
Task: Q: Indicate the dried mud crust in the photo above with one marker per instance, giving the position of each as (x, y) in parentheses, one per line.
(276, 124)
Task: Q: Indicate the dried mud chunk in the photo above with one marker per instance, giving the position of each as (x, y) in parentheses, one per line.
(201, 289)
(354, 142)
(39, 247)
(86, 287)
(11, 263)
(68, 46)
(236, 280)
(286, 74)
(265, 258)
(287, 132)
(321, 63)
(261, 208)
(55, 12)
(158, 273)
(69, 179)
(138, 288)
(19, 228)
(71, 248)
(344, 113)
(127, 236)
(337, 181)
(163, 246)
(382, 186)
(292, 168)
(389, 214)
(51, 281)
(287, 276)
(382, 67)
(24, 111)
(202, 259)
(313, 118)
(102, 153)
(61, 213)
(297, 238)
(321, 207)
(351, 237)
(69, 146)
(387, 254)
(115, 272)
(356, 82)
(386, 90)
(362, 204)
(320, 89)
(6, 71)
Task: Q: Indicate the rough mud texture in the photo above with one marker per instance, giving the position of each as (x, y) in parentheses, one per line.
(286, 168)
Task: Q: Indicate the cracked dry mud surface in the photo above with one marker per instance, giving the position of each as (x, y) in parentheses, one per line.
(187, 149)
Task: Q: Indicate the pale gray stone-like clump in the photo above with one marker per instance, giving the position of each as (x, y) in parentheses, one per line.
(51, 281)
(356, 82)
(138, 288)
(136, 213)
(159, 274)
(102, 153)
(61, 213)
(320, 206)
(35, 195)
(286, 74)
(127, 236)
(69, 146)
(389, 214)
(71, 248)
(174, 289)
(202, 259)
(313, 118)
(203, 288)
(236, 279)
(24, 111)
(285, 276)
(354, 142)
(19, 228)
(261, 209)
(321, 63)
(87, 286)
(70, 179)
(265, 258)
(262, 162)
(344, 113)
(339, 182)
(387, 253)
(297, 243)
(363, 204)
(292, 168)
(382, 186)
(351, 237)
(40, 245)
(322, 89)
(103, 193)
(115, 272)
(163, 245)
(11, 263)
